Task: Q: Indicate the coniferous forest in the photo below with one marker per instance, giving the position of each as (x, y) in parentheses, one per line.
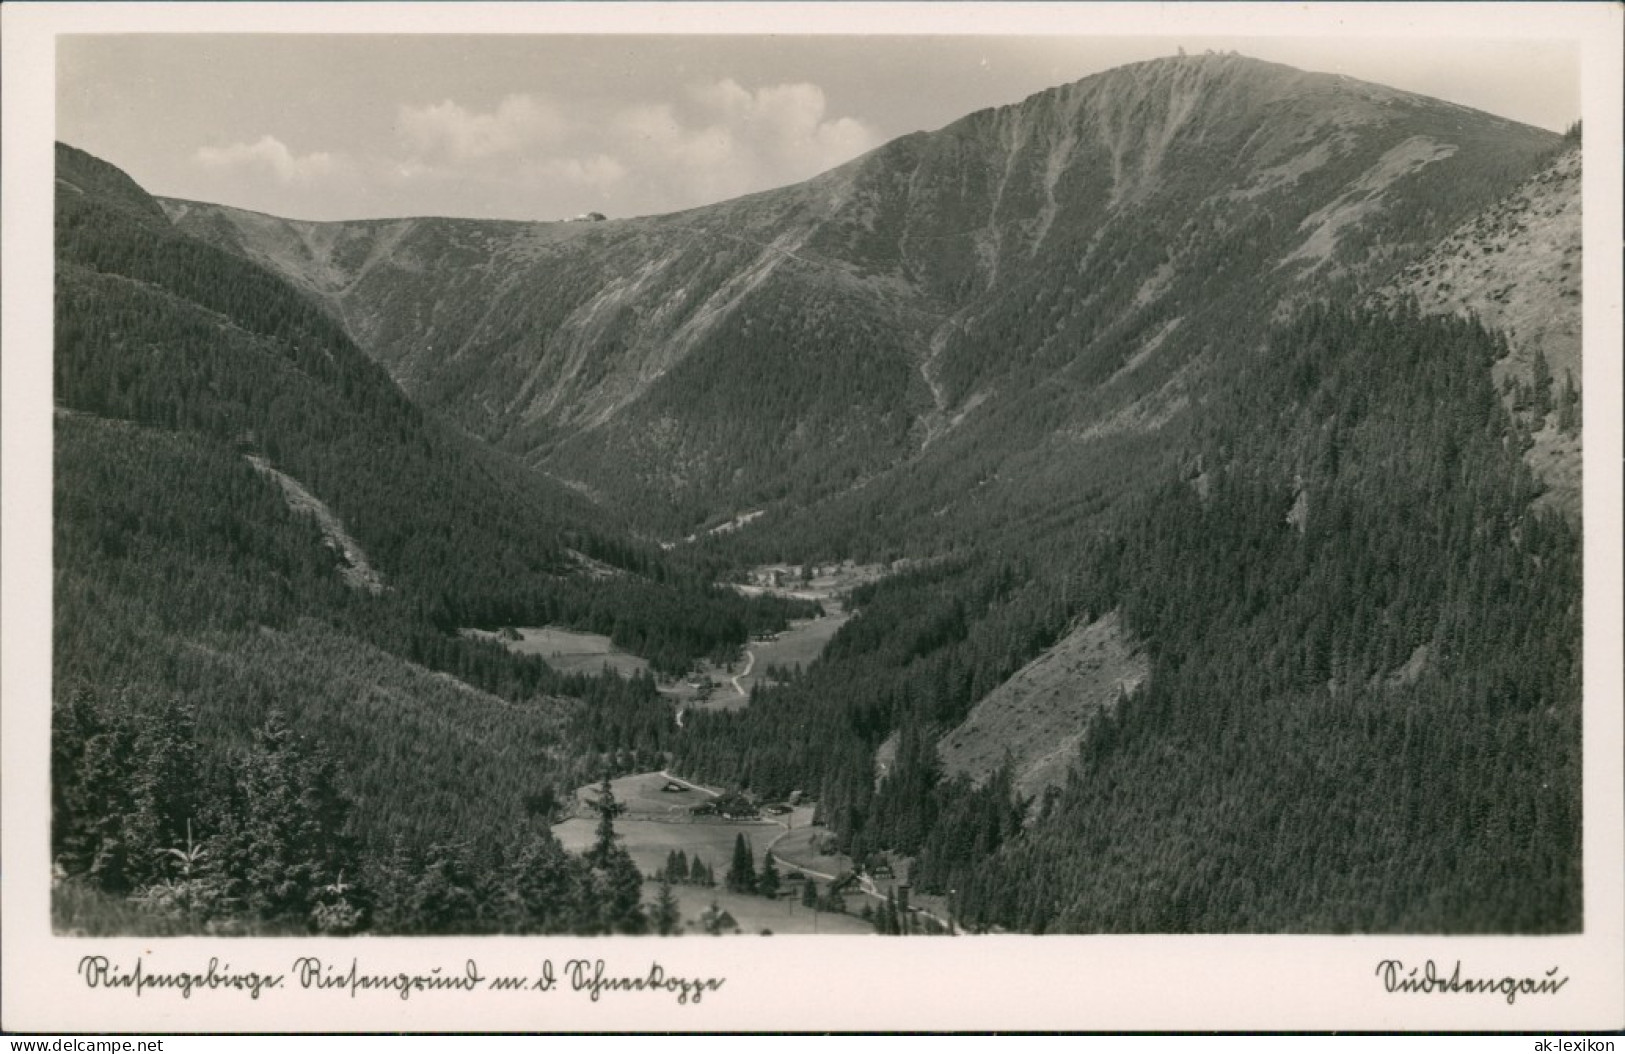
(1311, 512)
(229, 715)
(1283, 767)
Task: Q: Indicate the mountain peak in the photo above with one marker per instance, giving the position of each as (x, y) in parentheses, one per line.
(1229, 64)
(1077, 235)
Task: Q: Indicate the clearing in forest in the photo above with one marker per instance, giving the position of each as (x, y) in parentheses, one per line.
(649, 842)
(568, 651)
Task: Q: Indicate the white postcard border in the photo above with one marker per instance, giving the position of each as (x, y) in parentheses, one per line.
(783, 982)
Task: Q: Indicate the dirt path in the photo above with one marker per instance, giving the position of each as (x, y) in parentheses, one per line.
(690, 786)
(750, 662)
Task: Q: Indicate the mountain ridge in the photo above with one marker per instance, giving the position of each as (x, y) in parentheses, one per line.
(591, 350)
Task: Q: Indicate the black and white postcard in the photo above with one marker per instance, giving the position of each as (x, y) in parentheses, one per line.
(812, 517)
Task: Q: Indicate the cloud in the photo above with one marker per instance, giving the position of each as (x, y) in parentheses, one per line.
(271, 155)
(595, 171)
(727, 139)
(789, 123)
(717, 139)
(455, 133)
(654, 123)
(528, 155)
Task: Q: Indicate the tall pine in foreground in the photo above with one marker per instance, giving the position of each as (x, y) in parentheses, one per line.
(614, 888)
(280, 832)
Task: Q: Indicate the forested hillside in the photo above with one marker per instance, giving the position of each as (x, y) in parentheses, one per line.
(156, 327)
(1363, 708)
(203, 627)
(1362, 712)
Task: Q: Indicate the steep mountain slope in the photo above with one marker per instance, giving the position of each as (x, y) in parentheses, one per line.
(1516, 267)
(262, 553)
(1029, 281)
(1314, 522)
(157, 327)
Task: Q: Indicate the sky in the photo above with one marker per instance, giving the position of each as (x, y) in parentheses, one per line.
(548, 127)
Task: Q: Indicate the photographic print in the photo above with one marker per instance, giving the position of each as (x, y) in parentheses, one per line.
(693, 491)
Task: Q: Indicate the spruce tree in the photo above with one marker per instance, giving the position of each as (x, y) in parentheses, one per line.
(1568, 406)
(767, 883)
(279, 833)
(890, 916)
(1541, 389)
(445, 895)
(612, 892)
(539, 886)
(666, 917)
(604, 843)
(742, 872)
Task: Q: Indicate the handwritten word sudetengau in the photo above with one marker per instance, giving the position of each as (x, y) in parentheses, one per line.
(1426, 980)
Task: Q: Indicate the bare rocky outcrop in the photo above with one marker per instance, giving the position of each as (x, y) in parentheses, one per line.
(1516, 267)
(1037, 718)
(357, 572)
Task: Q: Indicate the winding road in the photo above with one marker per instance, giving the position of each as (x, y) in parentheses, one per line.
(750, 664)
(866, 885)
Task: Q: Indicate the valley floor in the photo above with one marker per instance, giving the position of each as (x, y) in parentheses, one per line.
(568, 651)
(655, 822)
